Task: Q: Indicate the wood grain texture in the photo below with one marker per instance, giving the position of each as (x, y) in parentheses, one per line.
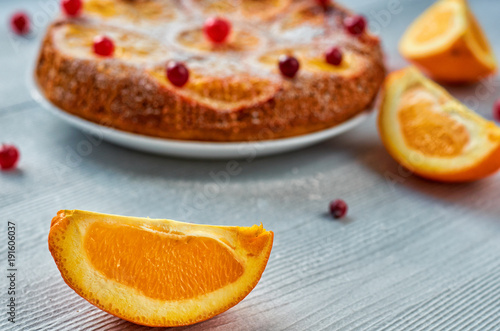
(412, 255)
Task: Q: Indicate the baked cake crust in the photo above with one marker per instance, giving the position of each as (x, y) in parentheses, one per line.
(132, 95)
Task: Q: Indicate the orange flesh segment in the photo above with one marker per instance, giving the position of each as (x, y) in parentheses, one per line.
(478, 34)
(160, 265)
(430, 132)
(439, 22)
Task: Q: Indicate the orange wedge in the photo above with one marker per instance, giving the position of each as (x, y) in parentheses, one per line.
(157, 272)
(434, 135)
(448, 44)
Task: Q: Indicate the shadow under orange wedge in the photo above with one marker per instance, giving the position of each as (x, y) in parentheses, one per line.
(432, 134)
(157, 272)
(448, 44)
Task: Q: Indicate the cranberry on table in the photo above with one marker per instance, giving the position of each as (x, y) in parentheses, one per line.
(103, 46)
(72, 7)
(9, 155)
(338, 208)
(496, 110)
(20, 23)
(288, 65)
(217, 29)
(334, 56)
(177, 73)
(355, 25)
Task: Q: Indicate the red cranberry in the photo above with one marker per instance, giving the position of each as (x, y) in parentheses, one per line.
(72, 7)
(338, 208)
(103, 46)
(9, 155)
(334, 56)
(20, 23)
(355, 25)
(177, 73)
(496, 110)
(288, 65)
(217, 29)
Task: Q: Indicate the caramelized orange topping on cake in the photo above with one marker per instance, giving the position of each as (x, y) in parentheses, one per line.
(240, 40)
(78, 39)
(226, 93)
(313, 61)
(148, 10)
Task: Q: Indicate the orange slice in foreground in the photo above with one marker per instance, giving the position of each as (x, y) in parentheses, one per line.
(157, 272)
(448, 44)
(434, 135)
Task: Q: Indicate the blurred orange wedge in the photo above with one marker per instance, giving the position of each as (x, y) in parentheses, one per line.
(448, 44)
(157, 272)
(434, 135)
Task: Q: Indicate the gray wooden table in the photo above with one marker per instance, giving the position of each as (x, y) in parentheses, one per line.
(412, 255)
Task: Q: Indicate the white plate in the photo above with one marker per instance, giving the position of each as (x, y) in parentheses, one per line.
(193, 149)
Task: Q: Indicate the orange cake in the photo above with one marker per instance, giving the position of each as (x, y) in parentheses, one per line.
(236, 90)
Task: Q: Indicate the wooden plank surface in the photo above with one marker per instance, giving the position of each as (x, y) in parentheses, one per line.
(412, 255)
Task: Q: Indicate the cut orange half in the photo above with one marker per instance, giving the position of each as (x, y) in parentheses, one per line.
(448, 44)
(157, 272)
(434, 135)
